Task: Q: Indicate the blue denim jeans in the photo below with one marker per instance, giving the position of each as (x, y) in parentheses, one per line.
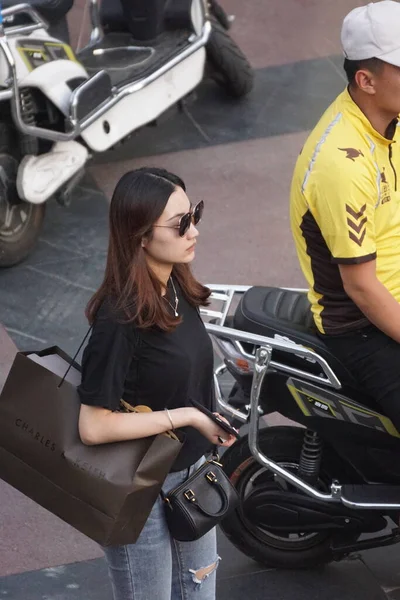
(159, 567)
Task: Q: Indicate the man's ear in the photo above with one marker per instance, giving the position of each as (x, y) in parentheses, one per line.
(366, 81)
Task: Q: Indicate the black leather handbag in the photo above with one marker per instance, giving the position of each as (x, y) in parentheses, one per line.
(200, 503)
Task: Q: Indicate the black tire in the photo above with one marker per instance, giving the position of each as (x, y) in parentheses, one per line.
(219, 13)
(20, 222)
(229, 66)
(283, 445)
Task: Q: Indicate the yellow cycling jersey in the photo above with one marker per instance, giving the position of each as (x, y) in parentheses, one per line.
(345, 209)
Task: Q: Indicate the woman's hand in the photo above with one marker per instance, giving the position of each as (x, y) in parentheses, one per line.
(223, 437)
(215, 434)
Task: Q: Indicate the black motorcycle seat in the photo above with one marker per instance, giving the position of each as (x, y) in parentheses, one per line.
(51, 10)
(142, 18)
(274, 312)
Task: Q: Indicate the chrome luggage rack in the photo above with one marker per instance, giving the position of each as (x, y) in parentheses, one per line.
(229, 344)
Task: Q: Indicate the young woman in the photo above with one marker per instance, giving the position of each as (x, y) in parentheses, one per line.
(149, 347)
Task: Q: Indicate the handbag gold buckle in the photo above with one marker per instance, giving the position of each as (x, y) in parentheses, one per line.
(212, 477)
(190, 495)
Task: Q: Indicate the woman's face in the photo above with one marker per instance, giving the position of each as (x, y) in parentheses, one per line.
(165, 245)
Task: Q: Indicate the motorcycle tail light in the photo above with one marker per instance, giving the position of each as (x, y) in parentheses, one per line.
(232, 356)
(243, 365)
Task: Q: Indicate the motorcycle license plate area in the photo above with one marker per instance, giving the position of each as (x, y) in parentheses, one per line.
(38, 52)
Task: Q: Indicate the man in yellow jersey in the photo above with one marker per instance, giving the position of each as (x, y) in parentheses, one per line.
(345, 208)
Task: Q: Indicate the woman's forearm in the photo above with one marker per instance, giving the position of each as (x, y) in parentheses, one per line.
(102, 426)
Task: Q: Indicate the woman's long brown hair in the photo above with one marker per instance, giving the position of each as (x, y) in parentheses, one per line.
(138, 201)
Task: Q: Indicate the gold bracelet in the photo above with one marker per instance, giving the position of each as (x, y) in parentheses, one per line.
(169, 417)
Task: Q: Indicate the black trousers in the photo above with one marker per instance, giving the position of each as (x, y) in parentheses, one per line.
(374, 360)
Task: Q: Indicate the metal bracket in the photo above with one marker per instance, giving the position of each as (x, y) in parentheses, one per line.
(263, 358)
(38, 21)
(97, 33)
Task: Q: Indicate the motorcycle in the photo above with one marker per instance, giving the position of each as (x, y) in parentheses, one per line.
(58, 107)
(309, 490)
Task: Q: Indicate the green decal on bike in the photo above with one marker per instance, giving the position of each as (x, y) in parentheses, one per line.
(317, 402)
(37, 52)
(296, 395)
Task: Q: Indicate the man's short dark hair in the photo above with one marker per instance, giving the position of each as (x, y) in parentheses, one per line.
(352, 66)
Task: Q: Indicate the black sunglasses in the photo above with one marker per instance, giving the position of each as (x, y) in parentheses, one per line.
(194, 216)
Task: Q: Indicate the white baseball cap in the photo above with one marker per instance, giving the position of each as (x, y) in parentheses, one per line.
(373, 31)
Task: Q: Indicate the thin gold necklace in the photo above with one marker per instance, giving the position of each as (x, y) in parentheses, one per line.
(175, 309)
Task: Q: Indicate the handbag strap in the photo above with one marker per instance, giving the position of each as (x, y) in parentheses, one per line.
(80, 348)
(76, 354)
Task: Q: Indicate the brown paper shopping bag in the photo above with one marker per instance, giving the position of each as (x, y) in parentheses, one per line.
(105, 491)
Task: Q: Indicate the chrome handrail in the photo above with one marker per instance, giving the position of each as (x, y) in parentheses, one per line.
(6, 95)
(15, 105)
(235, 335)
(225, 406)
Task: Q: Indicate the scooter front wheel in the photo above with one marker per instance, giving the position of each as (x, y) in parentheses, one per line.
(229, 66)
(219, 13)
(20, 222)
(273, 548)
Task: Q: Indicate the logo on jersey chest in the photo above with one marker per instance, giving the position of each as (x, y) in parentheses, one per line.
(384, 188)
(352, 153)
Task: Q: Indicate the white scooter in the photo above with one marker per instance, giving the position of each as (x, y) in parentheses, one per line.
(58, 108)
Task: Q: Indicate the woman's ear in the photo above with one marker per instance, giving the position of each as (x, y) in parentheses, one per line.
(146, 239)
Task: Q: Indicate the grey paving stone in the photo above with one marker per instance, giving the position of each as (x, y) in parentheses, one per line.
(88, 580)
(349, 580)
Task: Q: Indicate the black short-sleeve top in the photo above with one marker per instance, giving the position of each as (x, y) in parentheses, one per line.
(151, 367)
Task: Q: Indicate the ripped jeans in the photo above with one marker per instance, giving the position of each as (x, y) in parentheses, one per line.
(159, 567)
